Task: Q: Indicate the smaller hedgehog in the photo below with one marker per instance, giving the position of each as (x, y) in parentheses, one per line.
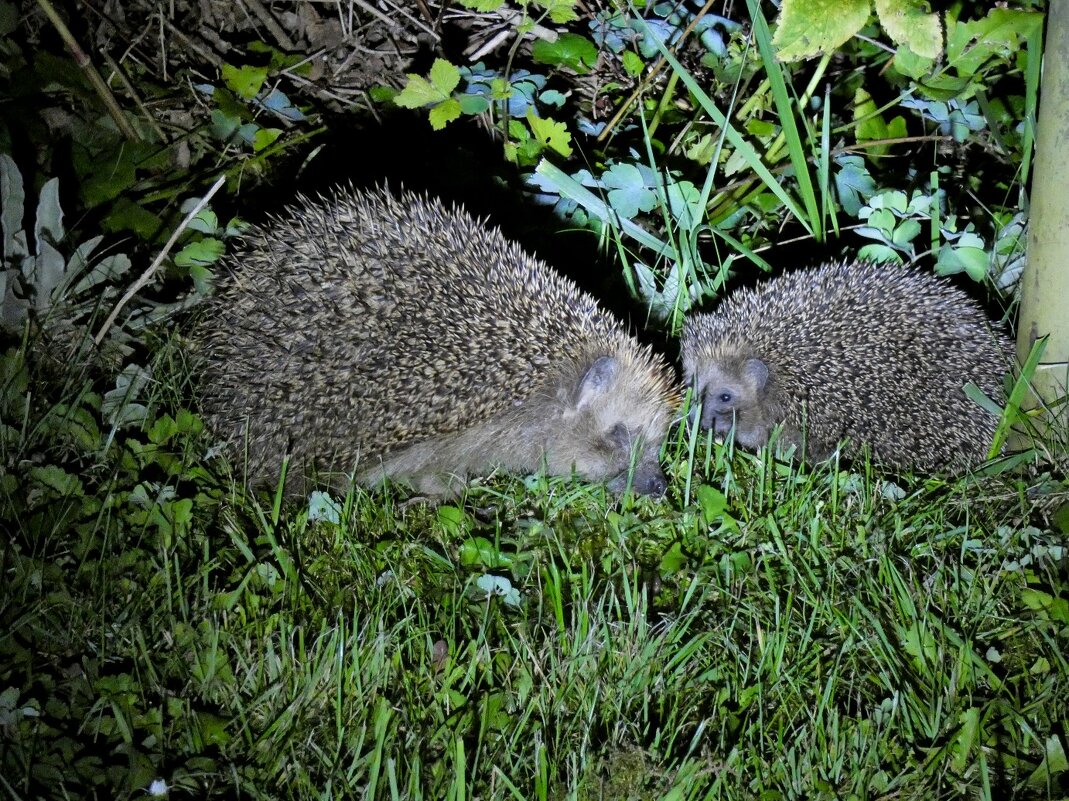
(375, 336)
(875, 354)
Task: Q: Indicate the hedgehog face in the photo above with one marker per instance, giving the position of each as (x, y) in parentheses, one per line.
(612, 422)
(733, 393)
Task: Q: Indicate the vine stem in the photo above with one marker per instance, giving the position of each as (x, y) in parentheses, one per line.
(86, 65)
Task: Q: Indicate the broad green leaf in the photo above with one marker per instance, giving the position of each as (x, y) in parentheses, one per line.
(206, 222)
(265, 137)
(453, 520)
(908, 63)
(1037, 600)
(12, 206)
(1001, 32)
(571, 50)
(808, 27)
(633, 63)
(1054, 764)
(905, 232)
(482, 6)
(965, 740)
(245, 81)
(125, 215)
(49, 224)
(550, 133)
(909, 23)
(223, 125)
(473, 104)
(59, 481)
(445, 76)
(204, 251)
(560, 11)
(444, 113)
(713, 503)
(418, 92)
(673, 560)
(479, 551)
(9, 18)
(628, 193)
(871, 125)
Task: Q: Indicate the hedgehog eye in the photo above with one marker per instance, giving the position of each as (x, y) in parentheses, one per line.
(725, 397)
(619, 436)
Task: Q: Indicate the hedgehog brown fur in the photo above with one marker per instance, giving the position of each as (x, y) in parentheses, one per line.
(876, 354)
(388, 336)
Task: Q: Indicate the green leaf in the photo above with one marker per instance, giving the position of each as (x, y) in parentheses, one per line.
(473, 104)
(205, 222)
(482, 6)
(1054, 764)
(570, 50)
(909, 23)
(633, 63)
(444, 113)
(908, 63)
(62, 483)
(965, 740)
(808, 27)
(871, 125)
(1039, 601)
(418, 92)
(1060, 518)
(223, 125)
(265, 137)
(479, 551)
(205, 251)
(971, 260)
(1000, 33)
(673, 560)
(444, 76)
(436, 89)
(628, 193)
(550, 133)
(905, 232)
(876, 252)
(245, 81)
(453, 520)
(125, 215)
(499, 586)
(9, 18)
(712, 502)
(560, 11)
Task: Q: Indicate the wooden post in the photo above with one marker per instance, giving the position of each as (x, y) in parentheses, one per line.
(1045, 283)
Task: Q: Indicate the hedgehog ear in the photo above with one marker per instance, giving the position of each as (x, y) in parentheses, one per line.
(596, 381)
(757, 371)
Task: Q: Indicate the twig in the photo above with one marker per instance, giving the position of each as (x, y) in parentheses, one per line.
(281, 37)
(417, 22)
(86, 65)
(147, 275)
(132, 92)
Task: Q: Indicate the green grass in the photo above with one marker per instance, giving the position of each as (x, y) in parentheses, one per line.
(785, 633)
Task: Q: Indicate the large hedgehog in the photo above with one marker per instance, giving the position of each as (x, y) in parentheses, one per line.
(876, 354)
(377, 336)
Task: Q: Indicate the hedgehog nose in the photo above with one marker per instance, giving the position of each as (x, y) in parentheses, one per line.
(654, 484)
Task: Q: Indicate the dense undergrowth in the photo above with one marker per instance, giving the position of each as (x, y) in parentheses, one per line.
(766, 630)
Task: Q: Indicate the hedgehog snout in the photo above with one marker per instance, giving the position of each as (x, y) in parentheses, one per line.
(646, 480)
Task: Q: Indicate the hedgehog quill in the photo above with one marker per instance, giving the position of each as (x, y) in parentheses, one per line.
(376, 336)
(875, 354)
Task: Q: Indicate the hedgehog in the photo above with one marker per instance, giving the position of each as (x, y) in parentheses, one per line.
(376, 336)
(876, 355)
